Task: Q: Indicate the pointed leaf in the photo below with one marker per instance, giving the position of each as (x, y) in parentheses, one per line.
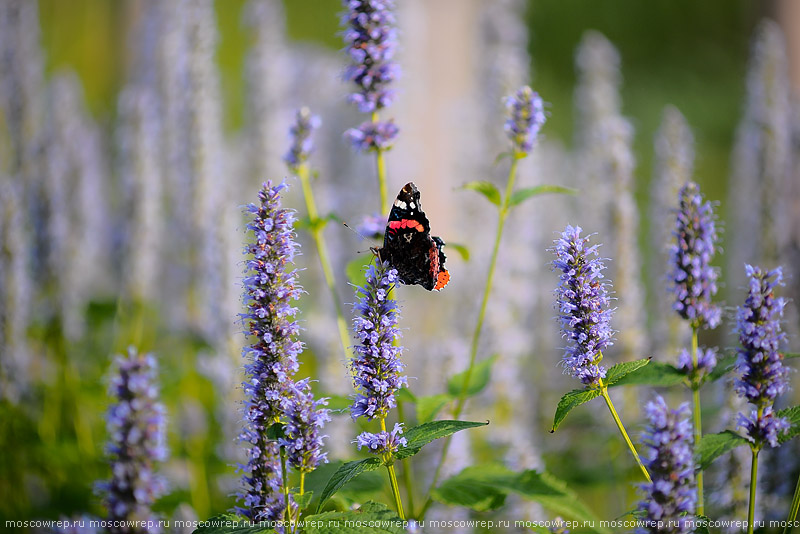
(475, 487)
(405, 395)
(522, 195)
(428, 407)
(621, 370)
(371, 518)
(357, 267)
(480, 377)
(462, 250)
(793, 416)
(346, 473)
(421, 435)
(486, 189)
(725, 365)
(303, 500)
(789, 355)
(501, 156)
(571, 400)
(654, 374)
(712, 446)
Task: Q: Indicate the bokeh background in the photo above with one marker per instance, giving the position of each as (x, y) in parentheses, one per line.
(133, 131)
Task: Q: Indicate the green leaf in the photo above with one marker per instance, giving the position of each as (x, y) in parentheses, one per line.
(275, 431)
(371, 518)
(346, 473)
(793, 415)
(789, 355)
(712, 446)
(724, 366)
(501, 156)
(428, 407)
(462, 250)
(571, 400)
(480, 377)
(356, 268)
(338, 403)
(518, 197)
(486, 189)
(621, 370)
(405, 395)
(654, 374)
(421, 435)
(702, 524)
(303, 500)
(230, 524)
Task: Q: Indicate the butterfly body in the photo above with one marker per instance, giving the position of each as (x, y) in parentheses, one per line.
(408, 245)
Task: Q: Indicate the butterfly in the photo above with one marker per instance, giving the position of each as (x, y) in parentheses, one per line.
(408, 245)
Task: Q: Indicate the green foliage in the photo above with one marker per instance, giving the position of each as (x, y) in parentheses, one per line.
(518, 197)
(345, 474)
(485, 487)
(370, 518)
(654, 374)
(462, 250)
(356, 267)
(428, 407)
(571, 400)
(621, 370)
(487, 189)
(230, 524)
(421, 435)
(793, 415)
(481, 374)
(304, 500)
(725, 365)
(712, 446)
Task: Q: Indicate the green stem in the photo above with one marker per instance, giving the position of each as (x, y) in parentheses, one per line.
(285, 479)
(393, 479)
(381, 168)
(621, 427)
(793, 510)
(473, 352)
(698, 424)
(406, 469)
(751, 510)
(324, 259)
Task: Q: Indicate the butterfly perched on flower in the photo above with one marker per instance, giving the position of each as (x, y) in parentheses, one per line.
(408, 245)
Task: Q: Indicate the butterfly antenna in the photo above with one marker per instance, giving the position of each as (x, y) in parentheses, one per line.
(359, 234)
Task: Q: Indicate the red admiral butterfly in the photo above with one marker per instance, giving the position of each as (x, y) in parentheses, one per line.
(408, 245)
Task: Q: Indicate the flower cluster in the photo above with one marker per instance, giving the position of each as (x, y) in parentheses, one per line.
(669, 461)
(302, 144)
(135, 425)
(526, 117)
(706, 362)
(763, 375)
(375, 365)
(693, 279)
(270, 286)
(583, 305)
(304, 421)
(382, 442)
(371, 39)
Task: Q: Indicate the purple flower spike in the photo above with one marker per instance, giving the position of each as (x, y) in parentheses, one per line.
(382, 442)
(304, 421)
(302, 144)
(270, 286)
(706, 362)
(371, 39)
(376, 365)
(583, 305)
(694, 280)
(373, 135)
(669, 460)
(135, 425)
(526, 118)
(763, 375)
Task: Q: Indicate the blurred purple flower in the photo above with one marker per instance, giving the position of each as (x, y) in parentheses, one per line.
(526, 117)
(670, 498)
(302, 144)
(372, 226)
(382, 442)
(583, 305)
(373, 135)
(135, 425)
(371, 39)
(706, 362)
(270, 286)
(375, 365)
(763, 375)
(304, 420)
(694, 280)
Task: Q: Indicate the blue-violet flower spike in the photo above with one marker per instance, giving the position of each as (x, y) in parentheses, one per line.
(706, 362)
(372, 135)
(302, 143)
(693, 279)
(270, 287)
(136, 429)
(376, 365)
(304, 421)
(670, 499)
(526, 118)
(582, 303)
(382, 442)
(758, 323)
